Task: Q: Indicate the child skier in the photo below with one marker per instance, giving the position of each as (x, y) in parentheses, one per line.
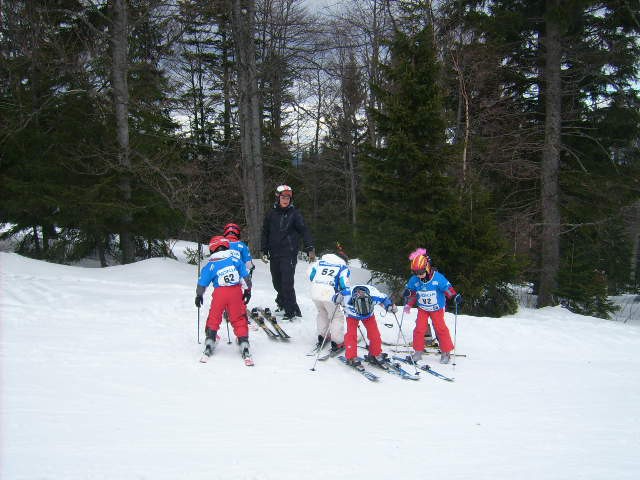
(226, 272)
(231, 232)
(428, 288)
(358, 302)
(328, 276)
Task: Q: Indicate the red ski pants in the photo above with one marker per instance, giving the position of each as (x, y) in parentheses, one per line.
(439, 325)
(229, 299)
(351, 337)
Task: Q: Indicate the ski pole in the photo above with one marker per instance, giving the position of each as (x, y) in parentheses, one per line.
(455, 334)
(399, 326)
(226, 317)
(324, 340)
(366, 345)
(404, 339)
(198, 275)
(385, 323)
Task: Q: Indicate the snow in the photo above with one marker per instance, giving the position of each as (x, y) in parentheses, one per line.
(100, 379)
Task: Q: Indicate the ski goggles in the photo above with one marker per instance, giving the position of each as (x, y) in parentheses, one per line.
(420, 272)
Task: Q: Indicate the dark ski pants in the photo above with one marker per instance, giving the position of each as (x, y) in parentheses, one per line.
(283, 270)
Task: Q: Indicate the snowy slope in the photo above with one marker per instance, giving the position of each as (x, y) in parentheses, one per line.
(100, 380)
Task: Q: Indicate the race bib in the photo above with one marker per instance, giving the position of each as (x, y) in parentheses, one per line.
(428, 300)
(326, 275)
(228, 277)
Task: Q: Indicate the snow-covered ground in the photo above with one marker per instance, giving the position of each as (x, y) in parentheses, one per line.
(100, 379)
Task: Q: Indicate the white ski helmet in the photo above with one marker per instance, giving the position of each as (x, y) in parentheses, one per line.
(333, 258)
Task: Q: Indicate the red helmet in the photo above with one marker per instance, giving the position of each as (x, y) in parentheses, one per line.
(231, 230)
(218, 242)
(420, 264)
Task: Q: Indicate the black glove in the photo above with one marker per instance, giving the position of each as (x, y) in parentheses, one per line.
(246, 296)
(458, 299)
(199, 301)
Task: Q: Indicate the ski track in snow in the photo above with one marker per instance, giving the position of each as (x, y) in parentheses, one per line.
(100, 380)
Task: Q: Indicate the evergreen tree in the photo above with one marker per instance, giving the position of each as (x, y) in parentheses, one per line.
(411, 195)
(595, 49)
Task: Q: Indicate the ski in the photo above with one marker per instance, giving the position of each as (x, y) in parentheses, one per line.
(367, 374)
(432, 344)
(425, 368)
(315, 350)
(393, 369)
(427, 352)
(248, 361)
(246, 354)
(255, 315)
(330, 354)
(266, 314)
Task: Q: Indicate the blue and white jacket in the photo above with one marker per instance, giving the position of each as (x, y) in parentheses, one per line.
(241, 251)
(431, 295)
(223, 270)
(376, 295)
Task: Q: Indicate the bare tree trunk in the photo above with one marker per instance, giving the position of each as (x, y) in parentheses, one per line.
(243, 26)
(464, 100)
(551, 163)
(373, 74)
(119, 70)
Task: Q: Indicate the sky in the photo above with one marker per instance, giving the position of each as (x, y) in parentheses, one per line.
(100, 379)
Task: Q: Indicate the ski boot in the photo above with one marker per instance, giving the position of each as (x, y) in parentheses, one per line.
(336, 348)
(210, 341)
(445, 357)
(380, 361)
(243, 342)
(354, 362)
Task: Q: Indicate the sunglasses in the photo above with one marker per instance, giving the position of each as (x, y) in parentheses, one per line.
(420, 272)
(285, 196)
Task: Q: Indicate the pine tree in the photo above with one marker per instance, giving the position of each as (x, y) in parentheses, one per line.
(411, 195)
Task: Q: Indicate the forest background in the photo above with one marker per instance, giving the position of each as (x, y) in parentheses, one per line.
(503, 136)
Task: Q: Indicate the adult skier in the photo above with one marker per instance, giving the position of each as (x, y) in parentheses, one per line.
(329, 276)
(282, 230)
(358, 302)
(226, 273)
(429, 290)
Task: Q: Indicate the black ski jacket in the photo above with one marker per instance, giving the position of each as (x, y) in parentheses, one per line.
(281, 232)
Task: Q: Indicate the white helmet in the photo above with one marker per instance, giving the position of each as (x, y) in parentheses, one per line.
(333, 258)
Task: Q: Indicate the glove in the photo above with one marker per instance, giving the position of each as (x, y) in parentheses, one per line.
(392, 308)
(458, 299)
(312, 255)
(337, 298)
(407, 308)
(246, 296)
(199, 301)
(265, 257)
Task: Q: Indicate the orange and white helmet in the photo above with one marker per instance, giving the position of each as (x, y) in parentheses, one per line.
(420, 264)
